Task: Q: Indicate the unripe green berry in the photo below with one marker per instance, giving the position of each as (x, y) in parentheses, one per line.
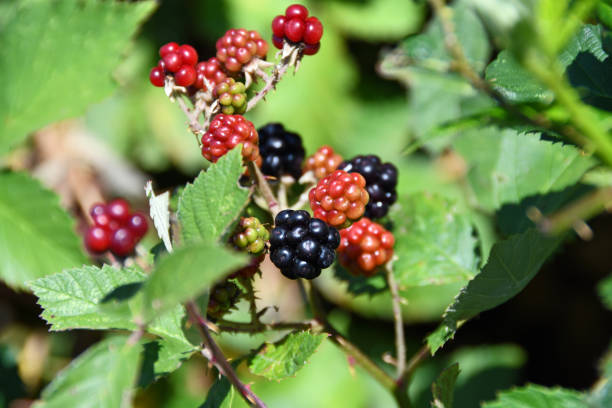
(257, 246)
(251, 235)
(241, 240)
(238, 100)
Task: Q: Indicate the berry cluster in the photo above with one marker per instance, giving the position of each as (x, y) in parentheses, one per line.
(227, 131)
(339, 198)
(365, 246)
(324, 162)
(223, 298)
(381, 180)
(115, 228)
(301, 246)
(296, 27)
(178, 61)
(232, 96)
(238, 47)
(212, 70)
(281, 151)
(252, 235)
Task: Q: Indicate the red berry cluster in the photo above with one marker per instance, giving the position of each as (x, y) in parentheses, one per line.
(364, 246)
(238, 47)
(178, 61)
(212, 70)
(115, 228)
(295, 26)
(227, 131)
(324, 162)
(339, 198)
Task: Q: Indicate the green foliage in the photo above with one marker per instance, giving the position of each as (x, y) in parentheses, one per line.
(535, 396)
(605, 291)
(507, 166)
(210, 205)
(443, 388)
(88, 297)
(511, 266)
(110, 367)
(187, 272)
(220, 395)
(161, 357)
(280, 360)
(33, 242)
(434, 242)
(69, 68)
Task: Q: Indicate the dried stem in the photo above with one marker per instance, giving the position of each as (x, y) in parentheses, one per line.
(217, 358)
(400, 341)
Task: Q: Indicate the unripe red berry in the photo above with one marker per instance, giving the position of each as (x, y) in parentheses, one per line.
(185, 76)
(296, 11)
(227, 131)
(278, 42)
(278, 26)
(168, 48)
(138, 224)
(313, 31)
(97, 239)
(122, 241)
(157, 76)
(119, 210)
(294, 29)
(97, 209)
(324, 162)
(105, 221)
(189, 54)
(339, 198)
(173, 61)
(365, 246)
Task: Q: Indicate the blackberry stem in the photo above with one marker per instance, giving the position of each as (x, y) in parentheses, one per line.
(400, 341)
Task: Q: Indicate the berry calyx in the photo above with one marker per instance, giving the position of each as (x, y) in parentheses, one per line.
(185, 76)
(381, 182)
(365, 246)
(281, 151)
(339, 198)
(232, 96)
(300, 246)
(297, 28)
(323, 162)
(97, 239)
(252, 235)
(227, 131)
(238, 47)
(157, 76)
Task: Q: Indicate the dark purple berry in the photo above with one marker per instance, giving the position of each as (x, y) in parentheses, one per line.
(281, 151)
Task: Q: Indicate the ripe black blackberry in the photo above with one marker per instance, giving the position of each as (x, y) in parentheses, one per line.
(381, 180)
(282, 151)
(301, 246)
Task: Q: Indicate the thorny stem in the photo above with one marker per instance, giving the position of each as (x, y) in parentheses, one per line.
(400, 341)
(264, 189)
(238, 327)
(252, 304)
(218, 359)
(290, 56)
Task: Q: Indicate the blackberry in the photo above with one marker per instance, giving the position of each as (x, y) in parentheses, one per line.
(339, 198)
(282, 151)
(381, 181)
(223, 298)
(301, 246)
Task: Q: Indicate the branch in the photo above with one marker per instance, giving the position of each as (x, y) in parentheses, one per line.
(400, 341)
(238, 327)
(217, 358)
(264, 188)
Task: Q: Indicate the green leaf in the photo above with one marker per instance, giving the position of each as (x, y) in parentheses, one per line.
(536, 396)
(220, 395)
(162, 357)
(187, 272)
(511, 266)
(101, 377)
(37, 236)
(214, 200)
(515, 83)
(433, 241)
(506, 166)
(78, 44)
(443, 388)
(589, 40)
(428, 50)
(88, 297)
(601, 396)
(604, 288)
(283, 359)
